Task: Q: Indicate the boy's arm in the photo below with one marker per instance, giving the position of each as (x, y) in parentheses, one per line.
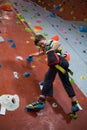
(56, 45)
(37, 54)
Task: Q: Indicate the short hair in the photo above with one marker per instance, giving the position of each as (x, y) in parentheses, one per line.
(38, 38)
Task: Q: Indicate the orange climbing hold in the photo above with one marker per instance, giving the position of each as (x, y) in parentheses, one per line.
(38, 27)
(67, 56)
(56, 38)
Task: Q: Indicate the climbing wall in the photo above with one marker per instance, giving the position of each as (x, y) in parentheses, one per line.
(66, 9)
(20, 76)
(73, 36)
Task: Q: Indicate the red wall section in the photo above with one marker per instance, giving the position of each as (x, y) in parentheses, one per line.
(68, 9)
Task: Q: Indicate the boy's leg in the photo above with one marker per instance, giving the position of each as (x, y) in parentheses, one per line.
(67, 85)
(46, 91)
(48, 82)
(71, 93)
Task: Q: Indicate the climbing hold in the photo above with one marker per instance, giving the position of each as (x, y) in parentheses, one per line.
(54, 105)
(1, 39)
(82, 29)
(9, 40)
(0, 65)
(29, 58)
(38, 27)
(13, 45)
(56, 7)
(53, 15)
(26, 74)
(56, 38)
(16, 75)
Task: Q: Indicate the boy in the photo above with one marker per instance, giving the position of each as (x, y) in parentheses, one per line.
(54, 58)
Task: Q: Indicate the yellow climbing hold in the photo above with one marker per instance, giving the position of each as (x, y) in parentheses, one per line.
(83, 77)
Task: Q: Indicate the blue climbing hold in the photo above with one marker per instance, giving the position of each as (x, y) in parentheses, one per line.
(9, 40)
(82, 29)
(13, 45)
(0, 65)
(29, 58)
(27, 74)
(56, 7)
(53, 15)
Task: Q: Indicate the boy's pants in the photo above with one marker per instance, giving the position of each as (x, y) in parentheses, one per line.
(50, 77)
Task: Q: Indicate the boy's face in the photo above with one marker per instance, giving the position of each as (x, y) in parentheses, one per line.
(42, 43)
